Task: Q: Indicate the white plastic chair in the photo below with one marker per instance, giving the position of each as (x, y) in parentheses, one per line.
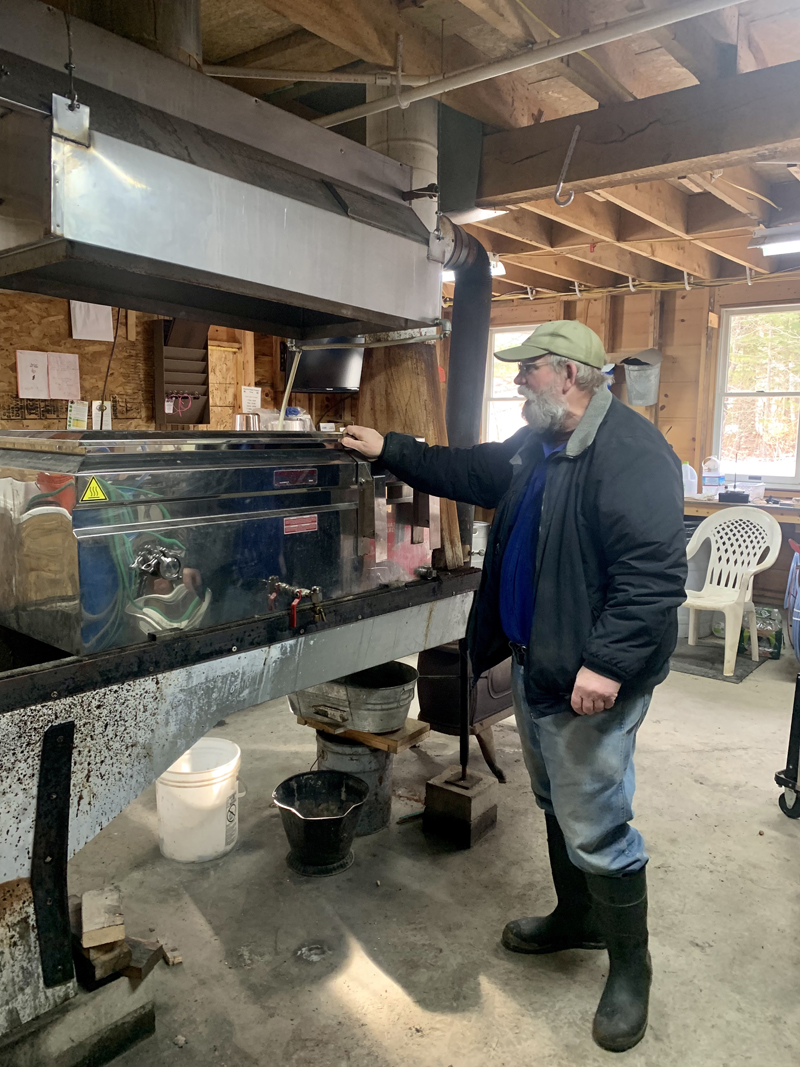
(744, 541)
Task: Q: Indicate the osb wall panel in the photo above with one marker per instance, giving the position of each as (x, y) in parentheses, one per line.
(41, 323)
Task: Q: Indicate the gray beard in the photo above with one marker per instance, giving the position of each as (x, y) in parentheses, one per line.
(542, 411)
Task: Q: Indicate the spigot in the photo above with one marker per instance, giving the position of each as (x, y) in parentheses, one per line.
(159, 562)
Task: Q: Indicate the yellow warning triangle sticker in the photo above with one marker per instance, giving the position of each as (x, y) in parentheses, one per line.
(93, 491)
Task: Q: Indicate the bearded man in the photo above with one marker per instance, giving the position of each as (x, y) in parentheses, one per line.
(583, 575)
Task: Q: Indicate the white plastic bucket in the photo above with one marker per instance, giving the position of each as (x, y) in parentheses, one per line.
(198, 802)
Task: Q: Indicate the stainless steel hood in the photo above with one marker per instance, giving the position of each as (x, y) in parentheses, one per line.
(120, 203)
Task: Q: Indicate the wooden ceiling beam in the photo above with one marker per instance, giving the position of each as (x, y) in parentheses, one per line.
(593, 217)
(527, 277)
(692, 44)
(715, 125)
(496, 242)
(657, 202)
(741, 188)
(564, 267)
(620, 260)
(368, 30)
(682, 256)
(735, 249)
(522, 27)
(522, 226)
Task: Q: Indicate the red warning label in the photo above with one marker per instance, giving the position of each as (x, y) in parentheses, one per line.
(300, 524)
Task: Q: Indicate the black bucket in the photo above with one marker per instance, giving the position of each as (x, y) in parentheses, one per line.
(320, 812)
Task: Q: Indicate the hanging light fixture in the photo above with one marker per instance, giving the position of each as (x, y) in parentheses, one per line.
(777, 240)
(495, 266)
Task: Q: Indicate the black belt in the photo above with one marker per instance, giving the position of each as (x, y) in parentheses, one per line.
(519, 652)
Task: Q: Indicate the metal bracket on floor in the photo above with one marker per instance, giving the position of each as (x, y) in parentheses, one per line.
(49, 856)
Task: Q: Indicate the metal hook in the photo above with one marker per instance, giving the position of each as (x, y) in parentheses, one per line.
(631, 286)
(749, 276)
(566, 201)
(686, 280)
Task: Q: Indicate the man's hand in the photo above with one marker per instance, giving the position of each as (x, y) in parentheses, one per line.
(593, 692)
(361, 439)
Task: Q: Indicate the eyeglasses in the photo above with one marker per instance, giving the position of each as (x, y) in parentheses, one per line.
(535, 364)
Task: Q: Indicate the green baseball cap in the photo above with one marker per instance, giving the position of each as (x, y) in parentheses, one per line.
(564, 337)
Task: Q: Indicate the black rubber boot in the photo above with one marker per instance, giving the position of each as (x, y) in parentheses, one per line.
(620, 906)
(572, 924)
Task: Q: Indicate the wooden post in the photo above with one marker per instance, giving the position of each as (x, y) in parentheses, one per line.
(400, 391)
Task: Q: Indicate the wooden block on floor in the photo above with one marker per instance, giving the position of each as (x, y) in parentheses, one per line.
(144, 956)
(101, 916)
(172, 956)
(108, 959)
(410, 733)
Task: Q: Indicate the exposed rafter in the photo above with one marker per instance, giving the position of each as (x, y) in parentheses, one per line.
(705, 127)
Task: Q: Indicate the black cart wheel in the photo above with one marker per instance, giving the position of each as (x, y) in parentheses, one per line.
(789, 803)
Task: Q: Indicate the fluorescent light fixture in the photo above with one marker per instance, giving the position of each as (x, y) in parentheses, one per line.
(496, 267)
(474, 214)
(448, 275)
(777, 240)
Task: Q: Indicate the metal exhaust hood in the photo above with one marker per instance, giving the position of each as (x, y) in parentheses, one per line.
(119, 203)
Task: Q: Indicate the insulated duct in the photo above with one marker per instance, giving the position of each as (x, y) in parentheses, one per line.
(469, 347)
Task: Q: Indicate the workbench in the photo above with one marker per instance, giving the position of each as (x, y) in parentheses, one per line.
(785, 516)
(83, 736)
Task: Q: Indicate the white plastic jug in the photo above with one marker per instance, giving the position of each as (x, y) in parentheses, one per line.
(198, 802)
(689, 480)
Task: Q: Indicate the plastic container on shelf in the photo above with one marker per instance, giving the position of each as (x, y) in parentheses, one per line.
(713, 477)
(689, 480)
(295, 419)
(198, 802)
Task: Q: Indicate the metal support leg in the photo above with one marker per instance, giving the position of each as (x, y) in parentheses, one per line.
(463, 670)
(789, 800)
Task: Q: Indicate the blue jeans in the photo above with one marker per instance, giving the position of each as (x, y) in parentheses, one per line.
(581, 769)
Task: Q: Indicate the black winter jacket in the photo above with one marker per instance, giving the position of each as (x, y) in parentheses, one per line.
(611, 556)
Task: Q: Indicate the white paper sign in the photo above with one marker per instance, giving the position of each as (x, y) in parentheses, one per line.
(169, 406)
(91, 322)
(251, 397)
(32, 375)
(96, 415)
(63, 376)
(77, 414)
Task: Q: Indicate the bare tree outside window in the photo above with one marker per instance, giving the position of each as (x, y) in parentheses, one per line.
(502, 412)
(759, 402)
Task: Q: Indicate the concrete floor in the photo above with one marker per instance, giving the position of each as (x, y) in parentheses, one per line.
(410, 971)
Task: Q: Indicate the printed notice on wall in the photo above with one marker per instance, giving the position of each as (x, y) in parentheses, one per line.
(251, 398)
(106, 415)
(77, 414)
(48, 376)
(63, 376)
(91, 322)
(32, 375)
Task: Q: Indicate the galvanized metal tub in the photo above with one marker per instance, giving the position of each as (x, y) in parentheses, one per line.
(372, 765)
(374, 701)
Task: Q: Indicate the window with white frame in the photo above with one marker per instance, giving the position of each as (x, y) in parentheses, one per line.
(758, 395)
(502, 405)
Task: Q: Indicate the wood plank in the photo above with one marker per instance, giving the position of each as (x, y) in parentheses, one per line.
(368, 29)
(526, 312)
(400, 391)
(536, 280)
(741, 188)
(597, 218)
(658, 202)
(692, 44)
(144, 956)
(522, 226)
(564, 267)
(704, 127)
(621, 260)
(102, 920)
(410, 733)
